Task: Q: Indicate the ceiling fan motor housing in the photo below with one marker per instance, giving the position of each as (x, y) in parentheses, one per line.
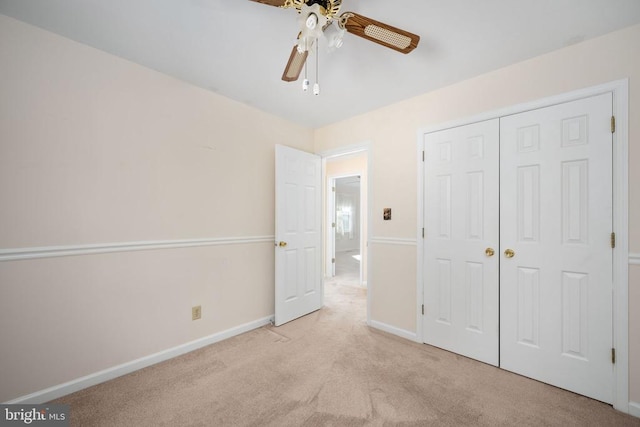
(328, 8)
(312, 22)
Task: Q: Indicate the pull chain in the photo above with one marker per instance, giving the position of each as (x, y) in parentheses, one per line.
(316, 86)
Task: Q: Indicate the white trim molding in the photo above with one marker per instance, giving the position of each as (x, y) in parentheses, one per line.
(101, 248)
(634, 409)
(60, 390)
(634, 259)
(346, 150)
(393, 241)
(403, 333)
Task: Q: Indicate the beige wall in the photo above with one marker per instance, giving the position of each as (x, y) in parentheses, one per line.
(393, 131)
(353, 164)
(95, 149)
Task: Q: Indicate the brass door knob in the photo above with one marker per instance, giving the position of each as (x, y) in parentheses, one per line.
(489, 252)
(509, 253)
(282, 244)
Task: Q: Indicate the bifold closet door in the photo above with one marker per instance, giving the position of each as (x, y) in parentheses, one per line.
(461, 237)
(556, 257)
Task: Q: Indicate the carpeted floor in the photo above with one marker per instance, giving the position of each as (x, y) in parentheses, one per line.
(348, 268)
(330, 369)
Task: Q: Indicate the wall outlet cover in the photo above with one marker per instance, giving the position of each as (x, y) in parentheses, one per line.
(196, 312)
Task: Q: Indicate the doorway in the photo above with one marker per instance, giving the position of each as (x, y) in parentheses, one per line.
(346, 217)
(346, 257)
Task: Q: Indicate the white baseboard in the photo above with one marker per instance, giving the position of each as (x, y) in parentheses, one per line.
(395, 331)
(634, 409)
(60, 390)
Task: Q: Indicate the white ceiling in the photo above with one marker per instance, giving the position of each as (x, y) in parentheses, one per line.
(239, 48)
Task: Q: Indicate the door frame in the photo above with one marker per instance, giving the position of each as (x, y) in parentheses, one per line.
(330, 218)
(620, 91)
(364, 240)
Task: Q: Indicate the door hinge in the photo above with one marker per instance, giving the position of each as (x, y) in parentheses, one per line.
(333, 260)
(613, 124)
(333, 225)
(423, 309)
(613, 240)
(423, 232)
(613, 355)
(333, 189)
(423, 155)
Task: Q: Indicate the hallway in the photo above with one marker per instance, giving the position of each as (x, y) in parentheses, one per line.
(347, 269)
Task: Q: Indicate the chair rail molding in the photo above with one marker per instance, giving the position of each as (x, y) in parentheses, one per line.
(393, 241)
(101, 248)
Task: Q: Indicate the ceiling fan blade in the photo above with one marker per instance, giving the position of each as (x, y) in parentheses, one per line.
(278, 3)
(383, 34)
(295, 65)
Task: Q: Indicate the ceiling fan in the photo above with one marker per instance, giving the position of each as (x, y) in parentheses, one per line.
(319, 18)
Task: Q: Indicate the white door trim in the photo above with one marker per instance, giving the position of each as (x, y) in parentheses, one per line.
(329, 214)
(620, 90)
(364, 240)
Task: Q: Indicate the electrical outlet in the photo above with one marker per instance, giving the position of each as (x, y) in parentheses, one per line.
(196, 312)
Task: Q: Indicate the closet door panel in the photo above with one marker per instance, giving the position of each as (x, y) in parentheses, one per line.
(556, 220)
(461, 223)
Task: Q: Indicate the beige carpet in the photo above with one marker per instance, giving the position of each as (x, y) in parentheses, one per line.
(330, 369)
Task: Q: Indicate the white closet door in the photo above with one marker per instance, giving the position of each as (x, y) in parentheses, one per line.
(556, 217)
(461, 227)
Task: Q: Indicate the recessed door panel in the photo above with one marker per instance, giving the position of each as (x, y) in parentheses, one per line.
(575, 333)
(475, 205)
(528, 203)
(310, 274)
(443, 278)
(475, 296)
(528, 314)
(575, 202)
(443, 225)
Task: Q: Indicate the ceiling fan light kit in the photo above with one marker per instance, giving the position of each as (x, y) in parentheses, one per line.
(334, 36)
(316, 21)
(312, 21)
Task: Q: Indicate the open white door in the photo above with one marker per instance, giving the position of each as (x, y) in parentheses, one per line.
(298, 257)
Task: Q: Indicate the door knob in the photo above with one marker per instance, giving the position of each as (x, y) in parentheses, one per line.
(489, 252)
(509, 253)
(282, 244)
